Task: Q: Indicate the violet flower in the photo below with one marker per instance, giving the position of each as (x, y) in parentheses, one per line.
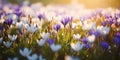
(50, 41)
(56, 27)
(40, 16)
(1, 27)
(92, 32)
(86, 46)
(104, 45)
(18, 13)
(103, 23)
(116, 39)
(8, 21)
(84, 40)
(66, 20)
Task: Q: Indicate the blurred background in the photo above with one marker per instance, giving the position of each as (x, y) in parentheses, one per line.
(86, 3)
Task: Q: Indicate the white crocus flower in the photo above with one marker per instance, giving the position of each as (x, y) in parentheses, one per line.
(33, 57)
(12, 37)
(118, 20)
(76, 46)
(71, 58)
(91, 38)
(26, 52)
(41, 42)
(14, 18)
(56, 47)
(41, 58)
(1, 39)
(88, 25)
(74, 25)
(31, 28)
(19, 25)
(15, 58)
(45, 36)
(24, 20)
(76, 36)
(103, 30)
(7, 44)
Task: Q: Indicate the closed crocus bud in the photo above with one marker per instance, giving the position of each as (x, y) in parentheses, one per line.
(40, 16)
(56, 27)
(65, 21)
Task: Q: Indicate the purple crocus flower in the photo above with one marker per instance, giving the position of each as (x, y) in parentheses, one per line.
(18, 13)
(8, 21)
(103, 23)
(84, 40)
(1, 27)
(56, 27)
(86, 46)
(117, 15)
(104, 45)
(65, 21)
(50, 41)
(40, 16)
(92, 32)
(116, 39)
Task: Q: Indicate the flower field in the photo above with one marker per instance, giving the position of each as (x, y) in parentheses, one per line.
(58, 32)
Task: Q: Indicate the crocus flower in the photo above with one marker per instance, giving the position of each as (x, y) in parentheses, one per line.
(56, 27)
(76, 46)
(8, 21)
(7, 44)
(71, 58)
(31, 28)
(65, 21)
(41, 42)
(103, 23)
(86, 46)
(1, 27)
(24, 20)
(18, 13)
(91, 38)
(118, 21)
(26, 52)
(92, 32)
(15, 58)
(103, 30)
(12, 37)
(45, 36)
(33, 57)
(19, 25)
(76, 36)
(50, 41)
(1, 39)
(55, 47)
(116, 39)
(89, 25)
(84, 40)
(40, 16)
(41, 58)
(104, 45)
